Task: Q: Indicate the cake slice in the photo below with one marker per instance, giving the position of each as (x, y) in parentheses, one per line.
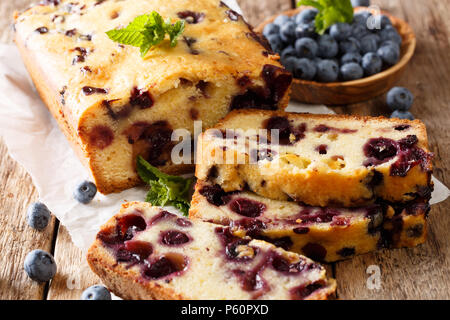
(320, 160)
(145, 252)
(113, 105)
(323, 234)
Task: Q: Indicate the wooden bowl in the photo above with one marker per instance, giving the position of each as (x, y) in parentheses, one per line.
(337, 93)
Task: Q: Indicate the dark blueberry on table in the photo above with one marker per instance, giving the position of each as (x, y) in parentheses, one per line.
(360, 3)
(271, 28)
(281, 20)
(369, 43)
(340, 31)
(40, 266)
(359, 30)
(402, 115)
(390, 33)
(85, 192)
(361, 17)
(289, 51)
(327, 47)
(371, 63)
(350, 44)
(38, 216)
(399, 98)
(351, 57)
(351, 71)
(306, 48)
(275, 42)
(390, 54)
(287, 32)
(96, 292)
(306, 16)
(327, 71)
(305, 30)
(305, 69)
(289, 63)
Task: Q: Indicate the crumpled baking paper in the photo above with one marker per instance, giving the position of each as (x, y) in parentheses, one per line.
(35, 141)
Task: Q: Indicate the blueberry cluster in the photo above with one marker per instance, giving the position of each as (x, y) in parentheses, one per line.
(400, 100)
(344, 52)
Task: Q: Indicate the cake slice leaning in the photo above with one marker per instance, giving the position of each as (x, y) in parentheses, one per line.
(320, 160)
(145, 252)
(322, 234)
(112, 104)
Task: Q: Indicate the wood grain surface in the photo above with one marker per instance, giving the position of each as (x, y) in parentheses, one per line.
(418, 273)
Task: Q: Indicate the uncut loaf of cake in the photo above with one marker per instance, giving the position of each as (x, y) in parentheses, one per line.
(145, 252)
(320, 160)
(114, 105)
(322, 234)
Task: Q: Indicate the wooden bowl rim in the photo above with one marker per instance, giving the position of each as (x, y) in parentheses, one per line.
(407, 33)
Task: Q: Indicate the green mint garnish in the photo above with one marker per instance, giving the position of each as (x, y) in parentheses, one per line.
(147, 31)
(330, 12)
(164, 189)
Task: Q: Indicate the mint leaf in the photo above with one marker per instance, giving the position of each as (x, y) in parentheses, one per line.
(164, 189)
(330, 12)
(147, 31)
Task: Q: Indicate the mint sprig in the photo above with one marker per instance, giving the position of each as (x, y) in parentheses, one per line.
(147, 31)
(164, 189)
(330, 12)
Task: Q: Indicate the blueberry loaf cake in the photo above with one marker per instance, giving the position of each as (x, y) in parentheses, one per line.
(114, 105)
(323, 234)
(145, 252)
(320, 160)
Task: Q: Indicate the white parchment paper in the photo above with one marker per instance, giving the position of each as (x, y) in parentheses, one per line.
(35, 141)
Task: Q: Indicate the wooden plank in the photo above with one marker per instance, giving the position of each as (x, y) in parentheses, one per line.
(257, 11)
(74, 274)
(419, 273)
(16, 237)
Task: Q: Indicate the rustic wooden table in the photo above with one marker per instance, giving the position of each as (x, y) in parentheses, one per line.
(419, 273)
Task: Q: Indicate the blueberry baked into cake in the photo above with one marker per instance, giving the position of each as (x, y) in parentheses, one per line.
(145, 252)
(113, 105)
(323, 234)
(320, 160)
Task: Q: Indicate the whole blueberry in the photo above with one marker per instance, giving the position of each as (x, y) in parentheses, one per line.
(390, 43)
(96, 293)
(360, 3)
(351, 57)
(289, 51)
(327, 71)
(40, 265)
(306, 48)
(281, 20)
(340, 31)
(399, 98)
(390, 54)
(359, 30)
(306, 16)
(38, 216)
(349, 45)
(305, 69)
(351, 71)
(271, 28)
(275, 42)
(361, 17)
(371, 63)
(402, 115)
(390, 33)
(305, 30)
(369, 43)
(289, 63)
(327, 46)
(85, 192)
(287, 32)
